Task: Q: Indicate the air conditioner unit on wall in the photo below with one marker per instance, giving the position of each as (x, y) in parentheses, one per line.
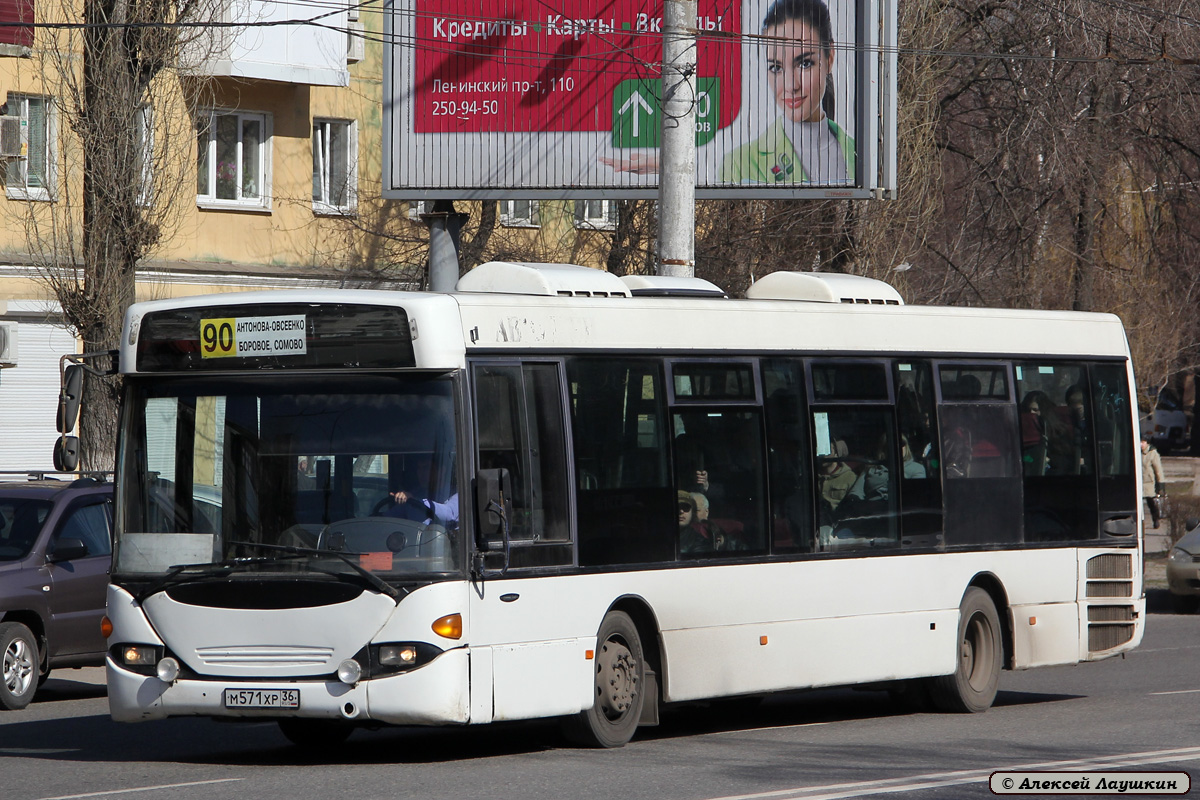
(10, 137)
(356, 43)
(8, 344)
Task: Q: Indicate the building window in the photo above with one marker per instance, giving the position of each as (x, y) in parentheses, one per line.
(233, 154)
(519, 213)
(16, 26)
(335, 173)
(30, 176)
(598, 214)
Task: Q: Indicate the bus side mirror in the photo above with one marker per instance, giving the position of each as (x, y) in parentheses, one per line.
(66, 454)
(69, 397)
(493, 504)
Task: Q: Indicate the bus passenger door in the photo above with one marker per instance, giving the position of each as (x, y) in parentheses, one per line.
(534, 654)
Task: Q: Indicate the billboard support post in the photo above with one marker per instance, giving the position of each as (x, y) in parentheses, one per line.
(444, 229)
(677, 185)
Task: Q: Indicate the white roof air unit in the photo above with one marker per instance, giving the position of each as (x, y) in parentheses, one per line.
(824, 287)
(8, 344)
(671, 286)
(564, 280)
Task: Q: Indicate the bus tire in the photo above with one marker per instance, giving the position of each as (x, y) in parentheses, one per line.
(971, 688)
(620, 673)
(313, 734)
(19, 679)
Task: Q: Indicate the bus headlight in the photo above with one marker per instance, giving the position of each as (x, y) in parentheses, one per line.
(398, 655)
(394, 657)
(140, 658)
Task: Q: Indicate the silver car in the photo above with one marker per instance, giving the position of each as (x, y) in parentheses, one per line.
(1183, 569)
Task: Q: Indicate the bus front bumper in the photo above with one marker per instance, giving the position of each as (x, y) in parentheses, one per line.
(435, 694)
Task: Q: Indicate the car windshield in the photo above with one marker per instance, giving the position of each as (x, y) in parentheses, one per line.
(260, 468)
(21, 520)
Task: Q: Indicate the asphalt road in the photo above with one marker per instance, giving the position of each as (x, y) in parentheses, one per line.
(1141, 712)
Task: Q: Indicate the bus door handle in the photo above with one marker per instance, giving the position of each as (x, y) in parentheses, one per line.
(508, 598)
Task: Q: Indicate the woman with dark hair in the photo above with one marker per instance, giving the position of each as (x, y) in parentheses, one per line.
(803, 144)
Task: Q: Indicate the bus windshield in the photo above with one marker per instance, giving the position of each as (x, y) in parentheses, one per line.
(267, 472)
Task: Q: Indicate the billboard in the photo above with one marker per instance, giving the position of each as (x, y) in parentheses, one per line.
(526, 98)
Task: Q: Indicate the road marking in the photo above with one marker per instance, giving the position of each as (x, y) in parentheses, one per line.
(770, 728)
(1177, 691)
(936, 780)
(142, 789)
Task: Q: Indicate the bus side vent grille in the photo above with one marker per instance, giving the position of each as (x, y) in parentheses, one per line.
(1106, 637)
(1110, 589)
(1110, 614)
(1110, 565)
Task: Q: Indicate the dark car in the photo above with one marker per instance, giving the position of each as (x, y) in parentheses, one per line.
(55, 556)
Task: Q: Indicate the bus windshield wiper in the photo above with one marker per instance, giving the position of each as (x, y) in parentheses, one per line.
(371, 578)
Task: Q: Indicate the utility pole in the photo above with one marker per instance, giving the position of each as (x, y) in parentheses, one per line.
(677, 170)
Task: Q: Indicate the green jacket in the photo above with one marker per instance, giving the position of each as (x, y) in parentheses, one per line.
(771, 158)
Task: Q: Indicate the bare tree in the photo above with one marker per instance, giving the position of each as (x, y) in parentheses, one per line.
(126, 137)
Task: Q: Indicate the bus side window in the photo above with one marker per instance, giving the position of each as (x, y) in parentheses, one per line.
(790, 474)
(1056, 452)
(718, 463)
(623, 489)
(855, 453)
(920, 472)
(519, 417)
(980, 455)
(1115, 446)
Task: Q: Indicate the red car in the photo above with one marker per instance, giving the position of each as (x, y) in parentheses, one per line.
(55, 557)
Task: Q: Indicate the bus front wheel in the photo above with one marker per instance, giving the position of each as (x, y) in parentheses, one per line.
(972, 686)
(620, 673)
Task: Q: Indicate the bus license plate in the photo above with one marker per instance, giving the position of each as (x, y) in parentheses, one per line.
(262, 698)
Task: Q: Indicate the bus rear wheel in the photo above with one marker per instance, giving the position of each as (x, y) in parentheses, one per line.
(620, 674)
(971, 688)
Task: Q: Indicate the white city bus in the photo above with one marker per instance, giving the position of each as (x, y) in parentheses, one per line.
(559, 493)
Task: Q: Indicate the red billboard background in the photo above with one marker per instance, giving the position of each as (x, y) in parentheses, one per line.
(509, 66)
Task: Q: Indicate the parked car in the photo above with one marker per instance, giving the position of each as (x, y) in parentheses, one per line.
(1183, 569)
(55, 558)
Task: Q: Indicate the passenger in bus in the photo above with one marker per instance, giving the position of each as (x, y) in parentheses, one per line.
(691, 465)
(912, 469)
(1034, 437)
(836, 477)
(700, 534)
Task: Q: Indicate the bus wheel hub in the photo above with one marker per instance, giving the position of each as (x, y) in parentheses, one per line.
(618, 679)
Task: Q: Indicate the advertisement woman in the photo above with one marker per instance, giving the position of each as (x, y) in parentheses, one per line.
(803, 144)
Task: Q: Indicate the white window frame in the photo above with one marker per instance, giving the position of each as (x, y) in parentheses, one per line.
(263, 179)
(321, 160)
(18, 106)
(511, 219)
(606, 221)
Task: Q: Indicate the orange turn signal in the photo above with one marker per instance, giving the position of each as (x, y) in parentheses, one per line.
(106, 628)
(449, 626)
